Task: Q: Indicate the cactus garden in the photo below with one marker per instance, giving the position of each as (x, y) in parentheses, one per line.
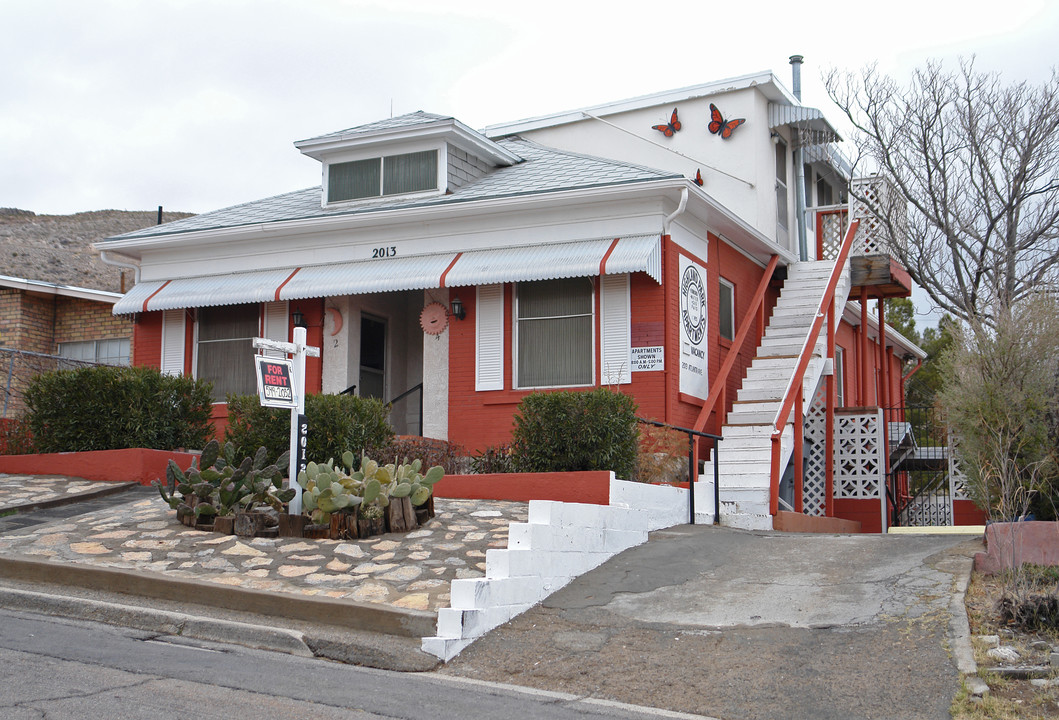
(355, 498)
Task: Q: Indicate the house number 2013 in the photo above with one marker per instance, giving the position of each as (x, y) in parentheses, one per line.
(383, 252)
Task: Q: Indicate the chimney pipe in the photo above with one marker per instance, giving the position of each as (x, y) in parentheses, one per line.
(796, 75)
(159, 215)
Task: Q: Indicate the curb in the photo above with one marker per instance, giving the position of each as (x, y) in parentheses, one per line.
(960, 628)
(161, 621)
(341, 613)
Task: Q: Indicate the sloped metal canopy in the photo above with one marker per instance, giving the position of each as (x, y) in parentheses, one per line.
(809, 125)
(583, 258)
(586, 258)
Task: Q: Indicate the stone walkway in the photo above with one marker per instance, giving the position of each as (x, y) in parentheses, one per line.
(21, 490)
(411, 570)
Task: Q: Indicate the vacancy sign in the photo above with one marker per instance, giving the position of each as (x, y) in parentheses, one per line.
(275, 382)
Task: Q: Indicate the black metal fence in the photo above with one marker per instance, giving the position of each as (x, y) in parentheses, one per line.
(918, 483)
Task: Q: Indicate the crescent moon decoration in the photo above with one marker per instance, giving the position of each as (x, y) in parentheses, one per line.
(336, 318)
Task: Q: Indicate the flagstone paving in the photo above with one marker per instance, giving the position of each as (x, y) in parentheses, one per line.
(409, 570)
(21, 490)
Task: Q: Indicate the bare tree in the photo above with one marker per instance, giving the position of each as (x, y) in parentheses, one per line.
(973, 166)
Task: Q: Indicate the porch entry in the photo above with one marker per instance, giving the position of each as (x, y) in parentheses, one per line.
(372, 357)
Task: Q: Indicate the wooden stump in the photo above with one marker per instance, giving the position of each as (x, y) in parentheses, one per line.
(249, 524)
(316, 532)
(224, 525)
(400, 515)
(204, 527)
(344, 526)
(374, 526)
(292, 525)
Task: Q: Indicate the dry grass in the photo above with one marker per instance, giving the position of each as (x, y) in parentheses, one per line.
(1008, 699)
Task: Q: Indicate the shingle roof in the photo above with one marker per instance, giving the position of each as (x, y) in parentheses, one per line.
(543, 170)
(401, 121)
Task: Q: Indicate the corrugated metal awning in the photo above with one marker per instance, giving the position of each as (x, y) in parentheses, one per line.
(204, 291)
(811, 127)
(415, 272)
(583, 258)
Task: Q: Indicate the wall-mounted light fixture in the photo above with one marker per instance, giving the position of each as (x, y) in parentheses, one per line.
(457, 309)
(299, 319)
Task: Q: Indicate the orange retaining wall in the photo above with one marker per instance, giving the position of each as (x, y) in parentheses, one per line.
(130, 465)
(799, 523)
(589, 486)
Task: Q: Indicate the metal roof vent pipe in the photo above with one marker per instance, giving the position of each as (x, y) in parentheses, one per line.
(796, 75)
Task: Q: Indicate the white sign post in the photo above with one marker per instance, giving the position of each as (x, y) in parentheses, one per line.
(299, 350)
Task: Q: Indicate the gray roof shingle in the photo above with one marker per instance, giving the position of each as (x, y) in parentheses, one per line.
(401, 121)
(543, 170)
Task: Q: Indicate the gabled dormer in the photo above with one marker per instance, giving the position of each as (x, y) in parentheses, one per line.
(414, 155)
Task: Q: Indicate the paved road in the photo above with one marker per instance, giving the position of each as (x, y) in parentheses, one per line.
(65, 670)
(735, 624)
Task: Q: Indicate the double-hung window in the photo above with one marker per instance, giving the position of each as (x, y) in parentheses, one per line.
(555, 326)
(225, 348)
(113, 351)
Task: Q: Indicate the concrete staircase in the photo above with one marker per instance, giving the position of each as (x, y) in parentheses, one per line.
(745, 456)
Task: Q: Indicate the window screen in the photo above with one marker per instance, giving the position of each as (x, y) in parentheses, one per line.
(225, 349)
(555, 333)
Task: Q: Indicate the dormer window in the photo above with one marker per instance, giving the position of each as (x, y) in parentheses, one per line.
(389, 175)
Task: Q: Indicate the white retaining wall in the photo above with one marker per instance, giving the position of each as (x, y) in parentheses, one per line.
(560, 542)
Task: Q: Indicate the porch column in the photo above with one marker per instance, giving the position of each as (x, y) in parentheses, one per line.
(436, 374)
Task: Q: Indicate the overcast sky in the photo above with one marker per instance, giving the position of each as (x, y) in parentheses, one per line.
(194, 105)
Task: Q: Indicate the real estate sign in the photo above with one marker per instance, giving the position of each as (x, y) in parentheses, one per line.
(275, 382)
(694, 380)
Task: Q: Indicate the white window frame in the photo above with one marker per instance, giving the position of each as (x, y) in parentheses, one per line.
(441, 157)
(515, 340)
(840, 376)
(195, 343)
(95, 344)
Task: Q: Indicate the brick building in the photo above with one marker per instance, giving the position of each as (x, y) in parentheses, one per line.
(703, 264)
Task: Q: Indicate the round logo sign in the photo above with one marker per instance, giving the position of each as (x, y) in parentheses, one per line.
(693, 305)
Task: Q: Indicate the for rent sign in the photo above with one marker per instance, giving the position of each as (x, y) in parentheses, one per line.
(275, 382)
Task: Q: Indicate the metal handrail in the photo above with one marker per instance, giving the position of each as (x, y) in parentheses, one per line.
(720, 381)
(790, 397)
(692, 470)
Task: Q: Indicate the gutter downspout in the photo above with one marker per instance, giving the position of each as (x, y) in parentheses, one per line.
(799, 166)
(109, 260)
(680, 209)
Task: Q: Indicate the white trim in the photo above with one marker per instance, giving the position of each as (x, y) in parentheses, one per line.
(489, 337)
(48, 288)
(615, 328)
(171, 358)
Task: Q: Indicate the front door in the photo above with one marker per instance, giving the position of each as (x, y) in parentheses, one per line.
(372, 356)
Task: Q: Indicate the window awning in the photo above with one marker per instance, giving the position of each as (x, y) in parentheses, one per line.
(584, 258)
(204, 291)
(637, 253)
(809, 124)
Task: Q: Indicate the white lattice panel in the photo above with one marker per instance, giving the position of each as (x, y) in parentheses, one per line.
(832, 228)
(872, 199)
(927, 511)
(814, 480)
(859, 460)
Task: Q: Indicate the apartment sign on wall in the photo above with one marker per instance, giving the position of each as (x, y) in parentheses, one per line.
(694, 380)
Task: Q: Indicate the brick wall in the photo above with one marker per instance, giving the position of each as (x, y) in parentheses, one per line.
(77, 320)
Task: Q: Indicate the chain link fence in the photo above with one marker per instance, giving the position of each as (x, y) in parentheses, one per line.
(17, 370)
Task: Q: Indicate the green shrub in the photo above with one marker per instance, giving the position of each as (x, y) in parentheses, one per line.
(336, 423)
(571, 430)
(15, 437)
(449, 455)
(109, 408)
(493, 459)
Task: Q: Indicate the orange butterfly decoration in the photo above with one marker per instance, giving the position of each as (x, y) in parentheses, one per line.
(720, 126)
(672, 127)
(698, 177)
